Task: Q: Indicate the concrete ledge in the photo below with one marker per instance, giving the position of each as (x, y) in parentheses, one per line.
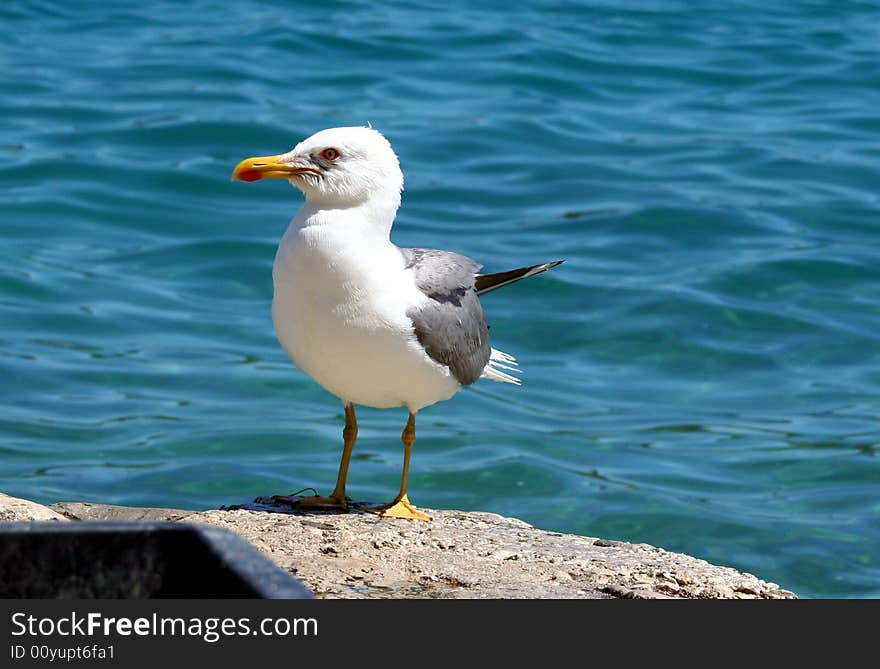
(458, 555)
(13, 509)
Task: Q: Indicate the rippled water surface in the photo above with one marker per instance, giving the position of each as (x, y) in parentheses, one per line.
(703, 374)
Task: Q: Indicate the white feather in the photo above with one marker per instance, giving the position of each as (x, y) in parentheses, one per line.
(499, 360)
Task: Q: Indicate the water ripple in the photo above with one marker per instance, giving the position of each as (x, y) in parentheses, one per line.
(702, 374)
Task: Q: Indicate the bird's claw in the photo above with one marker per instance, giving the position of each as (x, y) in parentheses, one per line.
(399, 508)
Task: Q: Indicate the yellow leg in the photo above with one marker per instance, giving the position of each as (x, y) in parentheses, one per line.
(337, 499)
(349, 436)
(401, 507)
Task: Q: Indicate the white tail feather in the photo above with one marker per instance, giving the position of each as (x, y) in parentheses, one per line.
(499, 360)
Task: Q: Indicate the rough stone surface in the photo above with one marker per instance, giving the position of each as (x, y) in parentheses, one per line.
(13, 508)
(457, 555)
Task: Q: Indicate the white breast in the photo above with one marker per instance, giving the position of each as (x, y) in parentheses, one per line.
(340, 313)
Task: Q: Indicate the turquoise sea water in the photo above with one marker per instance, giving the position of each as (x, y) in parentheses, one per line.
(703, 374)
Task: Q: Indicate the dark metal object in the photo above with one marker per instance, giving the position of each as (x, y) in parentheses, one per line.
(135, 560)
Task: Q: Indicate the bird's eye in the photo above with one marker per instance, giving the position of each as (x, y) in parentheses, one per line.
(330, 154)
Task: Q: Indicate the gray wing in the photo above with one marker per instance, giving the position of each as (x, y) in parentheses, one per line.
(451, 326)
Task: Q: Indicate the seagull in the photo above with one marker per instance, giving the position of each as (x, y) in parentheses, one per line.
(374, 324)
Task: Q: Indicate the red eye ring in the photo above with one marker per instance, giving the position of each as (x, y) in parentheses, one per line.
(330, 154)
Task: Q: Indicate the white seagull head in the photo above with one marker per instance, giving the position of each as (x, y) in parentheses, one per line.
(337, 167)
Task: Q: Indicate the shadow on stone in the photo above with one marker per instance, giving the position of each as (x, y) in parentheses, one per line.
(289, 504)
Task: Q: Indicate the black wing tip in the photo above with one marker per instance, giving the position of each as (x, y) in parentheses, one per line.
(543, 267)
(486, 283)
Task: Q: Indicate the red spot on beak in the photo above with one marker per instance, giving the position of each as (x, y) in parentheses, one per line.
(249, 175)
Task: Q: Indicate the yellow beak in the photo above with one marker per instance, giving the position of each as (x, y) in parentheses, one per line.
(268, 167)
